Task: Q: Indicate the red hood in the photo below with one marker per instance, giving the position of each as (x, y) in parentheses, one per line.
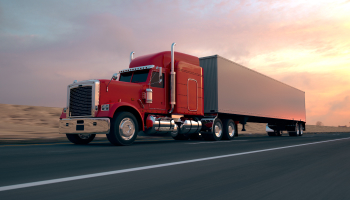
(117, 90)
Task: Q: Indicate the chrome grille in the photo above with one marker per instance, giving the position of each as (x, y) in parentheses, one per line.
(80, 101)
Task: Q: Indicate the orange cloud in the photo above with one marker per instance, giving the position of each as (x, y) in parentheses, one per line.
(304, 44)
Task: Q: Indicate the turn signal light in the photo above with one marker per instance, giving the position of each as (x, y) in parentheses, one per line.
(105, 107)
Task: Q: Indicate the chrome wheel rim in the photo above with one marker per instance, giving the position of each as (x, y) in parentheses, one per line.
(127, 128)
(231, 129)
(84, 136)
(218, 129)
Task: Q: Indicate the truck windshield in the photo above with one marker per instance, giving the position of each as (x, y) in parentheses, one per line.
(140, 76)
(125, 77)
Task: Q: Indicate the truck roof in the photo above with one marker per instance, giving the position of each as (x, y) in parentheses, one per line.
(162, 59)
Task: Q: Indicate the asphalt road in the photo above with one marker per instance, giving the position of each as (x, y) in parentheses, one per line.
(260, 167)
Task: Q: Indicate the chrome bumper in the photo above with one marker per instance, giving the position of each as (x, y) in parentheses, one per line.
(84, 126)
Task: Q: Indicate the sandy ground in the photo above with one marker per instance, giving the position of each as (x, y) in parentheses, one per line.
(40, 124)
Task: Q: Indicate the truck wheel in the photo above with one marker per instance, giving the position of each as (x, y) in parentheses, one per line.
(229, 129)
(296, 132)
(216, 133)
(80, 138)
(124, 128)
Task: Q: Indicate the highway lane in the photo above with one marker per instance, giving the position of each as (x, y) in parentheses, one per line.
(316, 171)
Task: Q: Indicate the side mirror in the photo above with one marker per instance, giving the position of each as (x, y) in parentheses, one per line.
(115, 76)
(160, 75)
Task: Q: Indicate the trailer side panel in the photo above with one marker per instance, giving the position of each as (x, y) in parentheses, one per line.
(243, 91)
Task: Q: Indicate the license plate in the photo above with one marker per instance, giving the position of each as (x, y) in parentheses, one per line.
(80, 127)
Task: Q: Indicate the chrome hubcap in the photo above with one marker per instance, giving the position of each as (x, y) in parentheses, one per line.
(84, 136)
(231, 129)
(218, 129)
(127, 128)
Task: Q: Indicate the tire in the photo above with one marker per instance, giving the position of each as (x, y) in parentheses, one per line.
(124, 129)
(229, 129)
(296, 132)
(80, 138)
(216, 133)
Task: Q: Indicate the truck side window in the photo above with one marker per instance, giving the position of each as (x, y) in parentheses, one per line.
(139, 76)
(155, 80)
(125, 77)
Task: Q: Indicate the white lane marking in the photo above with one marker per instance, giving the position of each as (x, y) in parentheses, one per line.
(214, 142)
(73, 178)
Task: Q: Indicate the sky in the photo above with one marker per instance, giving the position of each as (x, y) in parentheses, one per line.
(46, 45)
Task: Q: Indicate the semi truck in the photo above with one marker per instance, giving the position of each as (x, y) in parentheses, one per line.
(172, 93)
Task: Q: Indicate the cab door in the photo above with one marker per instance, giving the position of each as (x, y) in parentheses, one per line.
(158, 96)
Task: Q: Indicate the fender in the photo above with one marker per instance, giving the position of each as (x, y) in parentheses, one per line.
(114, 106)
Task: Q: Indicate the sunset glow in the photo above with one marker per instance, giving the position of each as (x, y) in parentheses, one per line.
(46, 45)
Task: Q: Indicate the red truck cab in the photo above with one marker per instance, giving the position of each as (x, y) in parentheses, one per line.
(139, 99)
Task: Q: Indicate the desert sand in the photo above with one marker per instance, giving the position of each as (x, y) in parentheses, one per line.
(40, 124)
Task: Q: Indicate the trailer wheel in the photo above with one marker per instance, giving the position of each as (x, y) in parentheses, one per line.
(216, 132)
(80, 138)
(296, 132)
(124, 128)
(229, 129)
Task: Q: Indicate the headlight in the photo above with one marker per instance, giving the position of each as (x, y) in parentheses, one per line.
(105, 107)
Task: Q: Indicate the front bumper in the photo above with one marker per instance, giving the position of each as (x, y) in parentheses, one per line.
(84, 126)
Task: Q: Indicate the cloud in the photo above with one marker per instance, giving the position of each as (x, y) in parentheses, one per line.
(46, 45)
(341, 105)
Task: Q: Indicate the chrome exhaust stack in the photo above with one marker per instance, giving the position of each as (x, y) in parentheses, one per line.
(172, 80)
(132, 56)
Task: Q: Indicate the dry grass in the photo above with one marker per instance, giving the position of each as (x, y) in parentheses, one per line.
(41, 123)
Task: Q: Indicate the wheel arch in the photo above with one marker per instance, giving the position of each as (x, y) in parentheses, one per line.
(133, 111)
